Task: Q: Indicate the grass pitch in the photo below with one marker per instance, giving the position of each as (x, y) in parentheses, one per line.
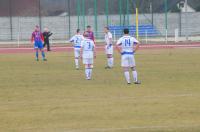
(54, 97)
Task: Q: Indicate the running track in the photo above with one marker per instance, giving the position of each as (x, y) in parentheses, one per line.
(100, 48)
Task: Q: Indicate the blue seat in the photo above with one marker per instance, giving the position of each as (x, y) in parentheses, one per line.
(144, 29)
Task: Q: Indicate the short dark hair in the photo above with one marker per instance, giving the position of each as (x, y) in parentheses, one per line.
(78, 30)
(106, 27)
(88, 26)
(85, 34)
(126, 31)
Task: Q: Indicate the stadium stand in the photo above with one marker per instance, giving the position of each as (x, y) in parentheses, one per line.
(142, 29)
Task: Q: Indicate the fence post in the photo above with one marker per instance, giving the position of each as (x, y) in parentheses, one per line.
(120, 11)
(176, 31)
(166, 22)
(95, 18)
(186, 17)
(146, 34)
(19, 32)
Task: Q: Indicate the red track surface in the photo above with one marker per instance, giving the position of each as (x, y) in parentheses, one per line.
(100, 48)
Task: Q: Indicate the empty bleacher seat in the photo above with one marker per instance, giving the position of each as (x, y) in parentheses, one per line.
(146, 29)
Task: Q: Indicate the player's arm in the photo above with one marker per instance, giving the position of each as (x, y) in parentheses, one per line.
(92, 37)
(32, 38)
(110, 40)
(71, 40)
(42, 37)
(81, 50)
(118, 44)
(49, 34)
(95, 55)
(137, 45)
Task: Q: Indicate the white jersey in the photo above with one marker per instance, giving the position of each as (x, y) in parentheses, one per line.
(108, 37)
(76, 39)
(87, 48)
(127, 44)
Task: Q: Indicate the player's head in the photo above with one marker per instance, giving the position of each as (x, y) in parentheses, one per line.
(46, 29)
(78, 31)
(86, 35)
(37, 28)
(88, 28)
(106, 29)
(126, 31)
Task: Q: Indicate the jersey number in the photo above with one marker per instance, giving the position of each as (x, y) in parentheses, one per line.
(89, 45)
(77, 40)
(127, 42)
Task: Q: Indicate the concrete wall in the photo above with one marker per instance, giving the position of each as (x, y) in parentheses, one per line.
(22, 27)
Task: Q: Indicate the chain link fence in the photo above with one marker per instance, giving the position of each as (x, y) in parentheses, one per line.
(159, 20)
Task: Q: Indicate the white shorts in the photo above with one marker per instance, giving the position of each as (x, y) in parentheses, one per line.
(87, 61)
(109, 49)
(128, 61)
(77, 52)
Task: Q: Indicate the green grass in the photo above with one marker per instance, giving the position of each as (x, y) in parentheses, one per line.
(54, 97)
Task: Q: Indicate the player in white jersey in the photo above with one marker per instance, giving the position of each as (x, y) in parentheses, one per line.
(76, 39)
(127, 46)
(108, 48)
(88, 53)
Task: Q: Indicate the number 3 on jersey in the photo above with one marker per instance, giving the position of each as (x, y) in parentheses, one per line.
(89, 45)
(127, 42)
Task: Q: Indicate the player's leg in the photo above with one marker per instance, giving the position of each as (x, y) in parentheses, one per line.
(90, 68)
(76, 55)
(36, 54)
(40, 46)
(134, 71)
(48, 46)
(44, 44)
(36, 51)
(85, 62)
(125, 66)
(110, 59)
(43, 54)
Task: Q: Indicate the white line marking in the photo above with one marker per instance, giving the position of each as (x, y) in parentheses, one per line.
(130, 128)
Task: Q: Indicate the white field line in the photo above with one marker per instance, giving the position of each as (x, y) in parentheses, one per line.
(134, 128)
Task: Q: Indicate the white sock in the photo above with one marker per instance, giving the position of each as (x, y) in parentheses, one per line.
(87, 72)
(111, 62)
(108, 62)
(135, 76)
(76, 63)
(90, 73)
(127, 76)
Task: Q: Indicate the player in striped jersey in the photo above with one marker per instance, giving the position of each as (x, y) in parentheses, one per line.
(76, 39)
(127, 46)
(37, 39)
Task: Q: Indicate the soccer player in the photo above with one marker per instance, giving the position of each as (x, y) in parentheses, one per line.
(127, 46)
(46, 35)
(76, 39)
(108, 48)
(38, 39)
(90, 32)
(88, 53)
